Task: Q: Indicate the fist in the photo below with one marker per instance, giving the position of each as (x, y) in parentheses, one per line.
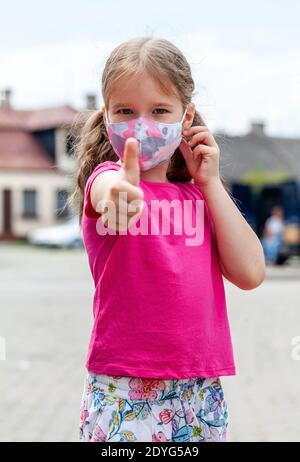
(124, 192)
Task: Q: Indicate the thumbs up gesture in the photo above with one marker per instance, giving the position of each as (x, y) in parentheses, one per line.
(130, 167)
(124, 190)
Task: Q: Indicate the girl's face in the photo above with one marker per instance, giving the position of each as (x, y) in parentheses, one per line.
(143, 97)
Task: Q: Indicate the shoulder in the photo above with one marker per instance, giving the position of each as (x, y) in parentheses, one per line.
(102, 167)
(107, 165)
(269, 220)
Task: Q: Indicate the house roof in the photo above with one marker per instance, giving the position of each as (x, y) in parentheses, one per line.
(20, 150)
(241, 154)
(40, 119)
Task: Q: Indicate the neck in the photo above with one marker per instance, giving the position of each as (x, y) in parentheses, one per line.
(158, 173)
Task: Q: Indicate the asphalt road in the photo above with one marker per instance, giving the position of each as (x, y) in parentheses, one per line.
(46, 320)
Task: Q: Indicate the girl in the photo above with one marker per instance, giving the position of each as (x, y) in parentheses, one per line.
(161, 339)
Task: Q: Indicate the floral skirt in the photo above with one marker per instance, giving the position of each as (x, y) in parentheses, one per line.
(133, 409)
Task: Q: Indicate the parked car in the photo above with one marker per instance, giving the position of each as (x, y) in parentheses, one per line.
(65, 235)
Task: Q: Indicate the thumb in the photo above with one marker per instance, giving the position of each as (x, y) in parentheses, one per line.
(131, 161)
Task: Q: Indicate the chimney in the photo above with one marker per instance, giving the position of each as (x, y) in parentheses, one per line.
(257, 128)
(91, 101)
(5, 96)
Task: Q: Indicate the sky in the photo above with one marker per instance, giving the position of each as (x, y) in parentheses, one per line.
(244, 55)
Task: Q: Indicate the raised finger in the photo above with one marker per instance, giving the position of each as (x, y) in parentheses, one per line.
(131, 161)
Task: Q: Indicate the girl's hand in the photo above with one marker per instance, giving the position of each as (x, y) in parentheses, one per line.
(201, 154)
(129, 204)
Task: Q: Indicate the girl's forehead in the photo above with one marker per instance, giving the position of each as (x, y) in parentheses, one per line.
(143, 87)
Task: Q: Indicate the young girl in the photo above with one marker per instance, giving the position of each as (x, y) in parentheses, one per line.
(161, 339)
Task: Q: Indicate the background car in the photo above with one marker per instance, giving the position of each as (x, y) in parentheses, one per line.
(65, 235)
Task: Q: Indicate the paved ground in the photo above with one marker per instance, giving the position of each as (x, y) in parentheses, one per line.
(46, 319)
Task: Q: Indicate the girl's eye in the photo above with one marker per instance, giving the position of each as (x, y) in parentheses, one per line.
(161, 109)
(124, 110)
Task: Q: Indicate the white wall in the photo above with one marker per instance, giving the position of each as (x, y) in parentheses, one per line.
(63, 161)
(45, 183)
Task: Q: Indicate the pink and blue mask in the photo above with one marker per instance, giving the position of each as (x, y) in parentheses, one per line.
(157, 140)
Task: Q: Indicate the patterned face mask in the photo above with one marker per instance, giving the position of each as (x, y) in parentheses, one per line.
(157, 140)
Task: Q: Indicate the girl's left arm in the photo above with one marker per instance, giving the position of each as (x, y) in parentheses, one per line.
(241, 254)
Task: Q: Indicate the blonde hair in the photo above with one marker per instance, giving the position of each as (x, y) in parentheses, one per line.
(164, 62)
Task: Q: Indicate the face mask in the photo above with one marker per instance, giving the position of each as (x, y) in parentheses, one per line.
(157, 140)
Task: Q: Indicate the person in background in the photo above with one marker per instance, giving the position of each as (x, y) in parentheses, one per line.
(273, 234)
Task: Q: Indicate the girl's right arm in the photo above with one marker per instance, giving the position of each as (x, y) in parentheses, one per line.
(107, 186)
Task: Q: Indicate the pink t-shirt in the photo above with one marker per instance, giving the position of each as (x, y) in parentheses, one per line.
(159, 303)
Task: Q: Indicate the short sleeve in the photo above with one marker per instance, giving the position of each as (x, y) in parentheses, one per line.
(88, 209)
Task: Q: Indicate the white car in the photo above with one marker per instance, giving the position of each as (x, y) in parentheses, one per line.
(67, 235)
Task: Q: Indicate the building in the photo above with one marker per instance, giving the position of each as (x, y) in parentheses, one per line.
(256, 150)
(261, 171)
(36, 164)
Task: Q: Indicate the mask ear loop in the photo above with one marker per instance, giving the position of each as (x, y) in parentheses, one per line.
(186, 137)
(183, 116)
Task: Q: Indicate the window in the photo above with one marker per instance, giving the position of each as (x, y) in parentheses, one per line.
(69, 145)
(62, 209)
(29, 203)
